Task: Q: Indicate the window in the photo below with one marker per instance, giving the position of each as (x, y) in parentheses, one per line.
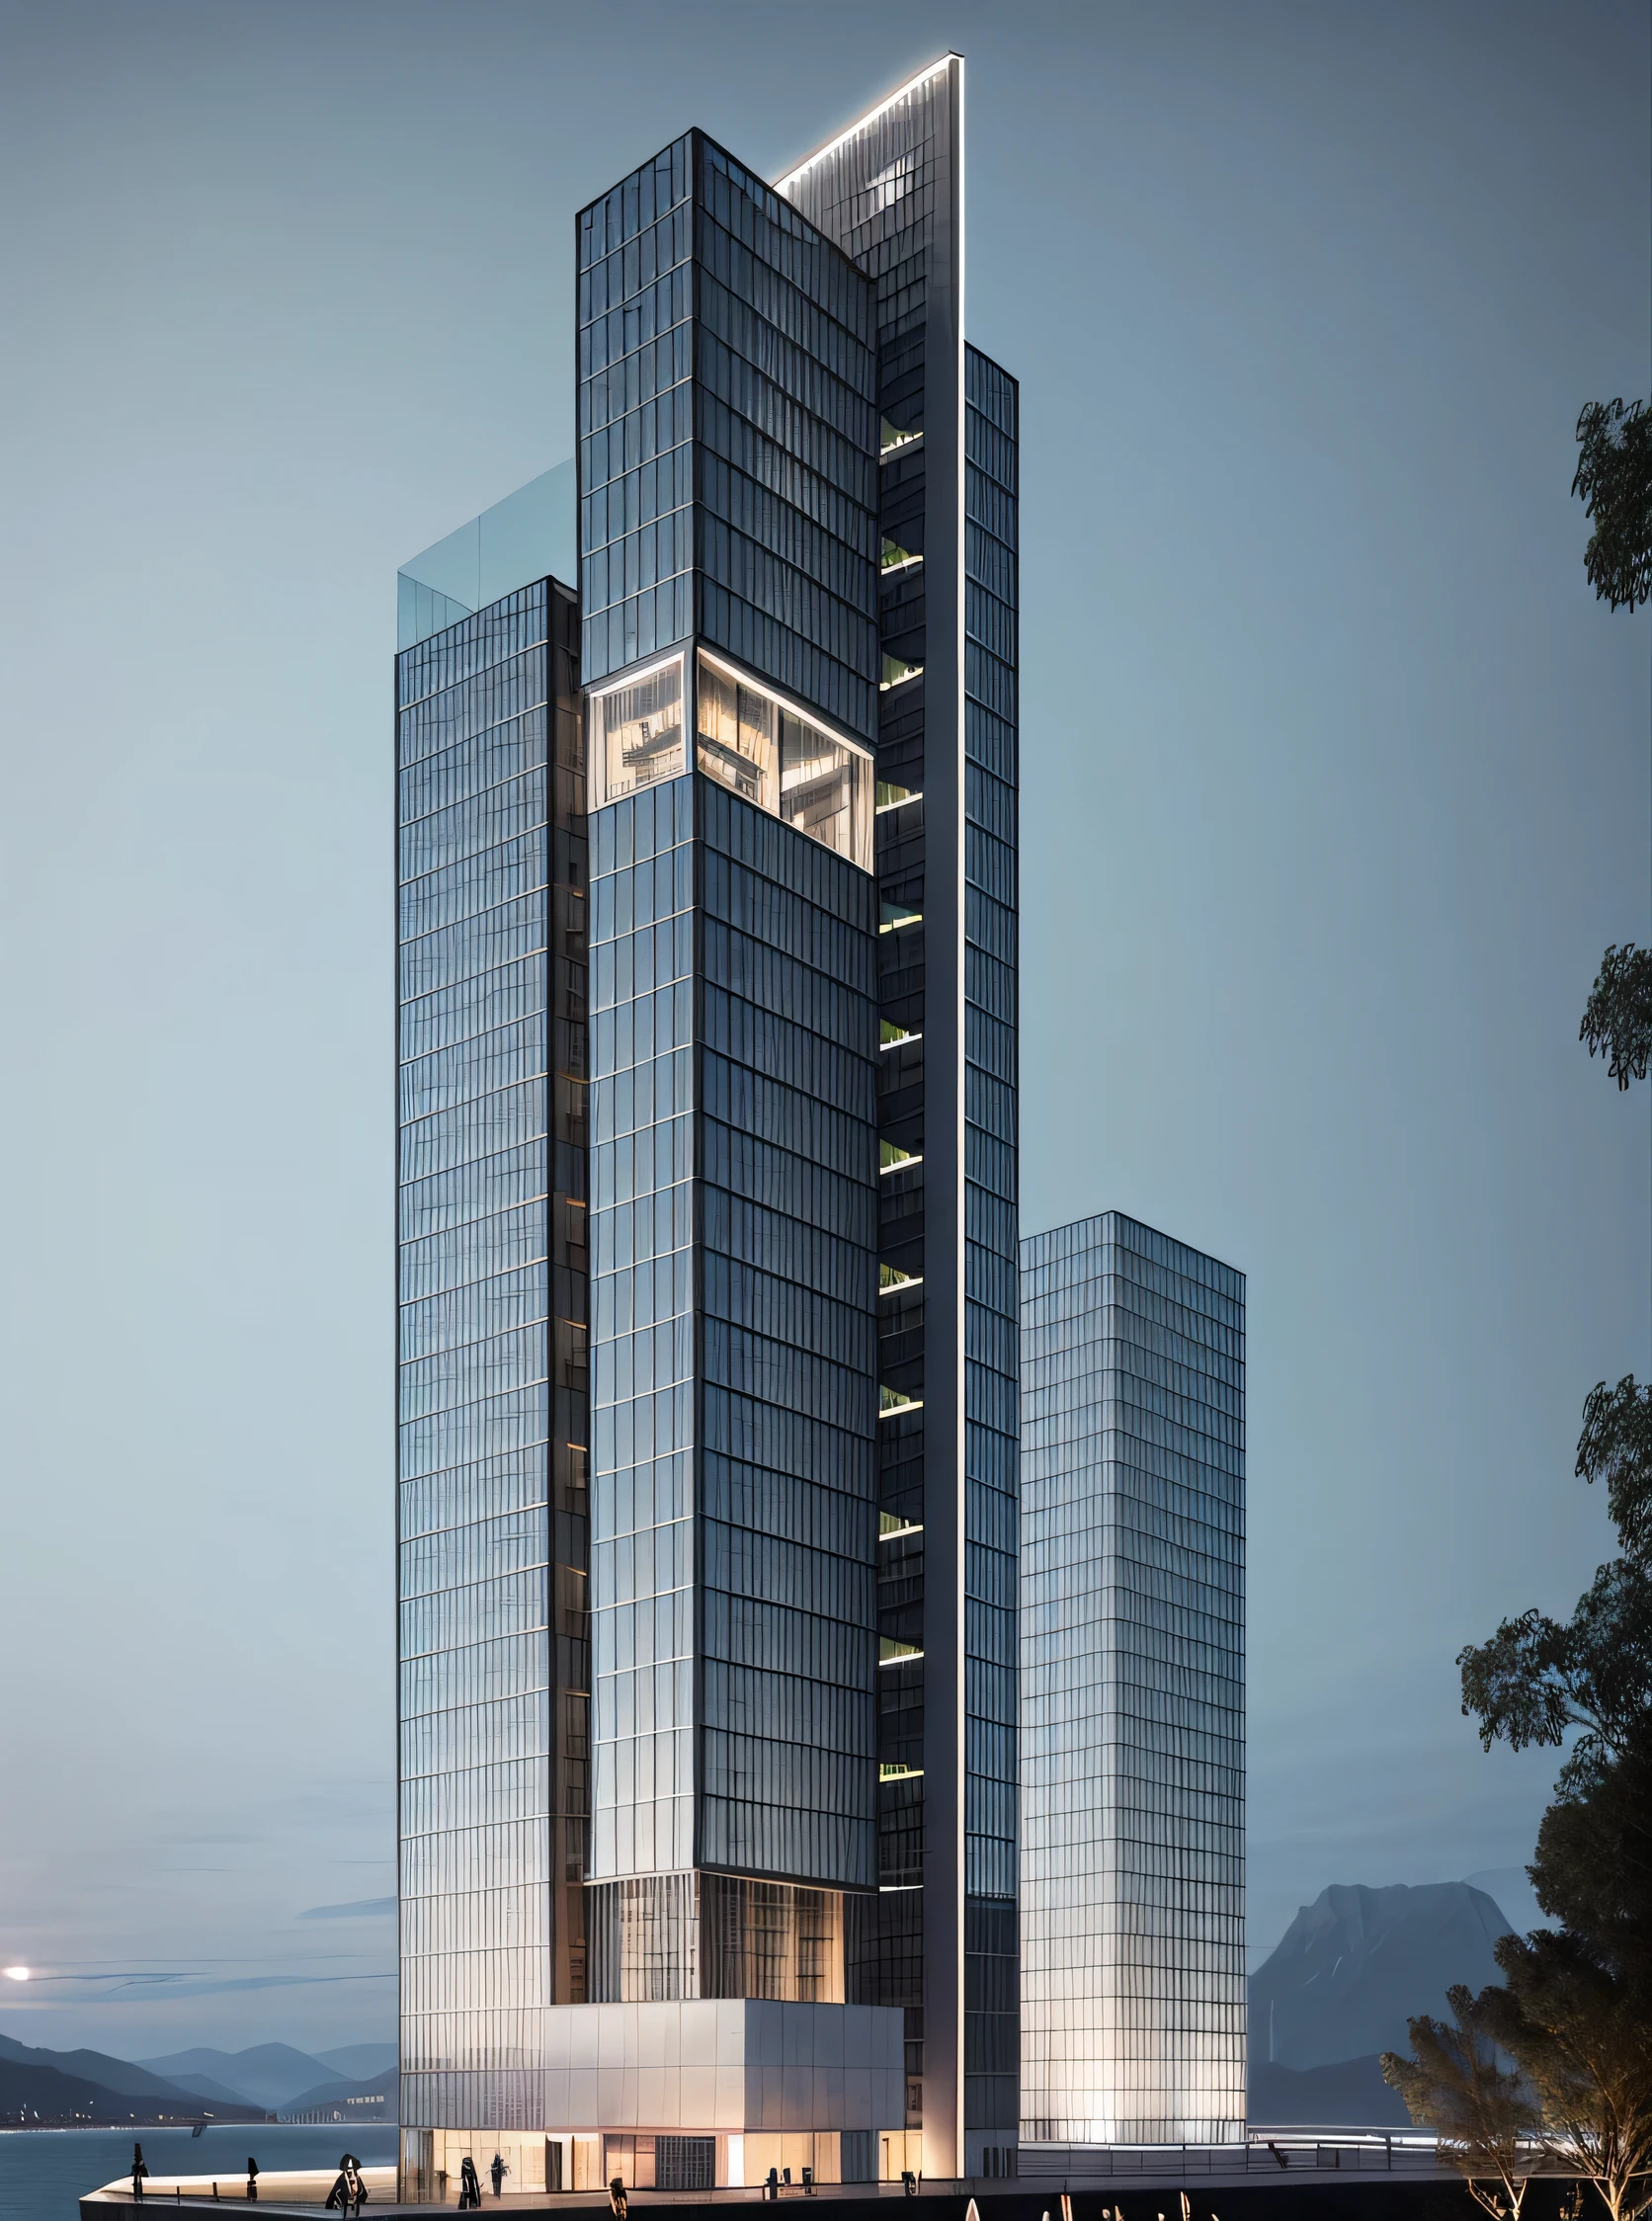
(685, 2162)
(636, 737)
(736, 733)
(890, 796)
(772, 756)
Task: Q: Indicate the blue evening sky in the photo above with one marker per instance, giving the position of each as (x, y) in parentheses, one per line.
(1336, 783)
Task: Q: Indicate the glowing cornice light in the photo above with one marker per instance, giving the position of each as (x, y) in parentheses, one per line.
(15, 1973)
(860, 122)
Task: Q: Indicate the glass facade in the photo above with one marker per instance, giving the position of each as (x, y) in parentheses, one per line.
(943, 1942)
(728, 493)
(1133, 1689)
(728, 472)
(491, 1508)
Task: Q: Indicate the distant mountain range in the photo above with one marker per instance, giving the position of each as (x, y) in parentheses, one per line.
(353, 2099)
(270, 2074)
(38, 2085)
(1348, 1972)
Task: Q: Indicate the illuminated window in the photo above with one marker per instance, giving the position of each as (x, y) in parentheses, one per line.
(775, 757)
(638, 733)
(735, 728)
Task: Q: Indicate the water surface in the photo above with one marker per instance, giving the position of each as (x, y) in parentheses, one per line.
(46, 2171)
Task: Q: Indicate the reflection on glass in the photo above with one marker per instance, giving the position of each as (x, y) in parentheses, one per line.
(736, 731)
(825, 788)
(784, 763)
(639, 732)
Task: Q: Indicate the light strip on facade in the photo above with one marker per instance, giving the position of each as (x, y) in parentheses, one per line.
(862, 123)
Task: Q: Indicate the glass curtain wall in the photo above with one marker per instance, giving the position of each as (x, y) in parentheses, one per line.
(1133, 1689)
(728, 436)
(943, 1943)
(728, 498)
(492, 1648)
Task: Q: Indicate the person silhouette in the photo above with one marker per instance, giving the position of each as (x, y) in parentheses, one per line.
(354, 2183)
(139, 2171)
(469, 2183)
(252, 2179)
(498, 2171)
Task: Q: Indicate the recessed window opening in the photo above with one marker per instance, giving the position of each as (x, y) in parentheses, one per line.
(772, 755)
(891, 798)
(637, 738)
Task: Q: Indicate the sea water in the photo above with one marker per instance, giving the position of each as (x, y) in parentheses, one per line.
(46, 2171)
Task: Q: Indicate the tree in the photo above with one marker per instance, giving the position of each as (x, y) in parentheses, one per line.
(1615, 482)
(1575, 2013)
(1593, 1872)
(1617, 1016)
(1579, 2035)
(1538, 1678)
(1615, 1447)
(1482, 2117)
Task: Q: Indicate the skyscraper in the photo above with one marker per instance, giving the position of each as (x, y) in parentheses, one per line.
(708, 1163)
(1132, 1692)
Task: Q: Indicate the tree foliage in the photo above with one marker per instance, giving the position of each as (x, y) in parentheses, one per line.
(1615, 1447)
(1481, 2112)
(1575, 2013)
(1593, 1871)
(1615, 482)
(1617, 1016)
(1578, 2032)
(1538, 1678)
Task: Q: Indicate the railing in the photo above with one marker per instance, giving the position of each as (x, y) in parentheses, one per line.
(1263, 2150)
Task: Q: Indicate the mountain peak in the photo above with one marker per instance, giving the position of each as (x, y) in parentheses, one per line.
(1358, 1963)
